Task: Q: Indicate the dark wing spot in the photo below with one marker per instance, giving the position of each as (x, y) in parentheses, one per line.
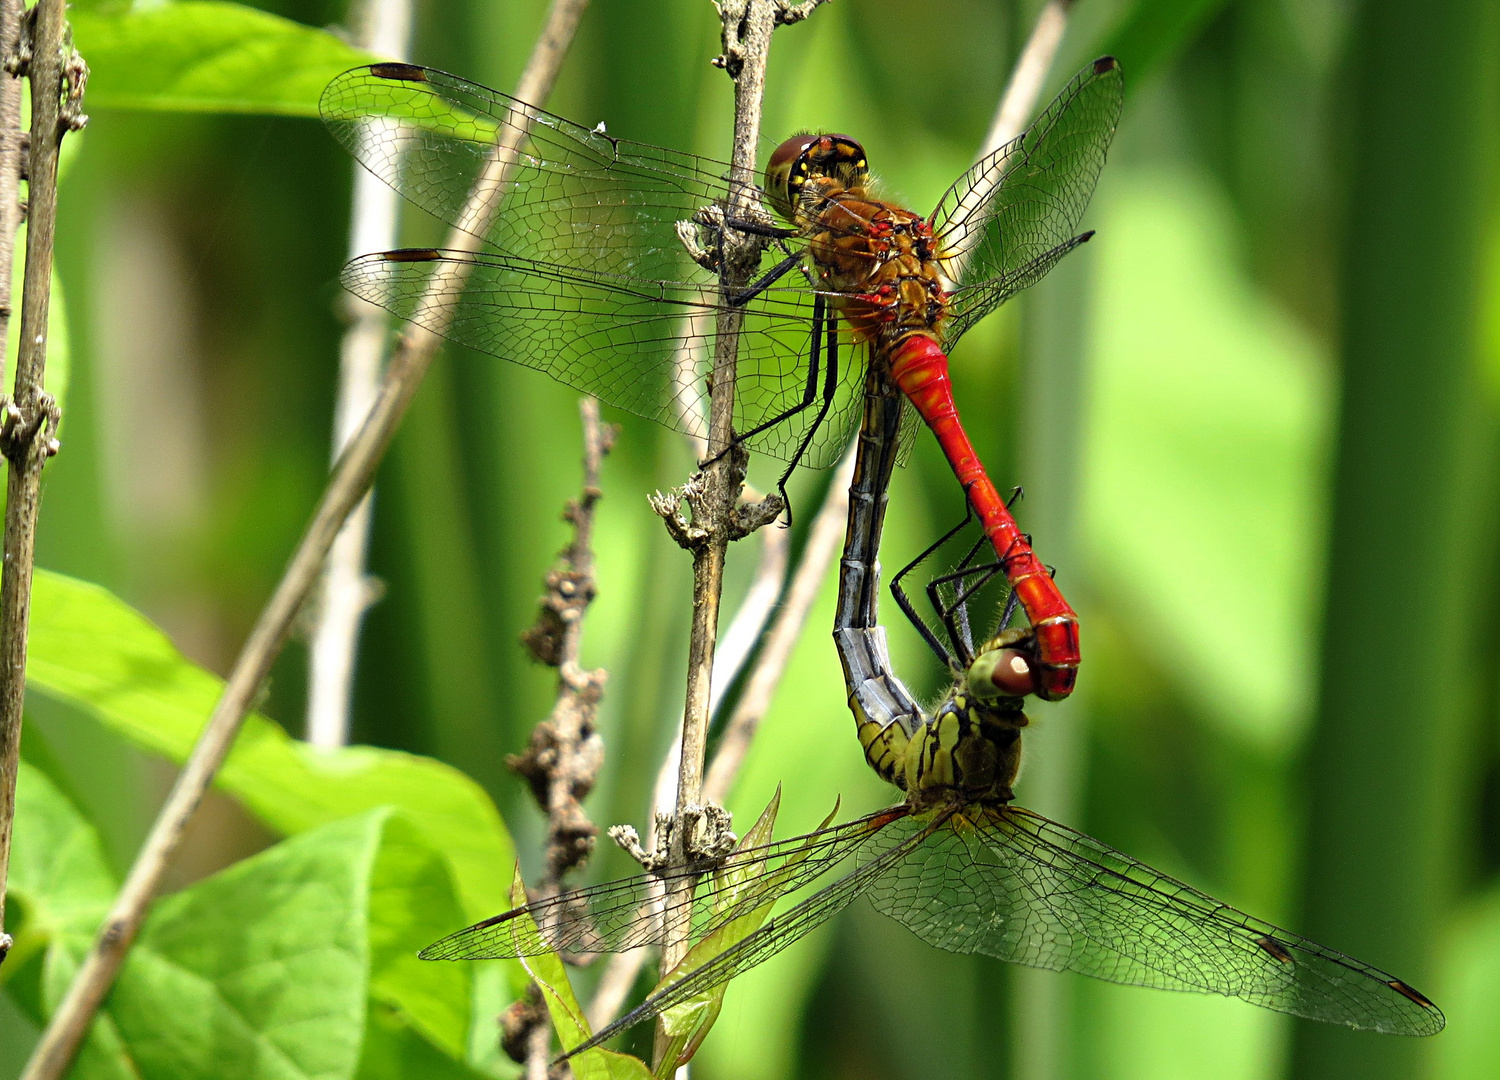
(1105, 63)
(1406, 991)
(411, 255)
(399, 72)
(1275, 949)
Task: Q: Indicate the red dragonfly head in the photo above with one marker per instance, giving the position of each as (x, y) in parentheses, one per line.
(805, 156)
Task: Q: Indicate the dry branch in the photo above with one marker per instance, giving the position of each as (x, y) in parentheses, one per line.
(28, 423)
(350, 480)
(565, 753)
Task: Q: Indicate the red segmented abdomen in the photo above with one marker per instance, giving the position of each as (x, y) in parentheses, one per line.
(920, 368)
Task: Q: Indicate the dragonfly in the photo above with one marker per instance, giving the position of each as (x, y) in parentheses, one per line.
(598, 266)
(957, 862)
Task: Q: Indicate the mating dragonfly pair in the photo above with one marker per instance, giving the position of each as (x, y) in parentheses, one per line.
(598, 267)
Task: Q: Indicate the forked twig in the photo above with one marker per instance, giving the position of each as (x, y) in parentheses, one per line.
(347, 485)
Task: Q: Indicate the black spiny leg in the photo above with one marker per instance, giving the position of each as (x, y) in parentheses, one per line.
(766, 280)
(944, 654)
(824, 323)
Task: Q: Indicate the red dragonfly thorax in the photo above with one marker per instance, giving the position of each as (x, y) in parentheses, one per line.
(881, 258)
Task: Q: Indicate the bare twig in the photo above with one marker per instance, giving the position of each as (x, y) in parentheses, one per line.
(384, 28)
(562, 761)
(760, 689)
(747, 26)
(346, 487)
(28, 426)
(822, 544)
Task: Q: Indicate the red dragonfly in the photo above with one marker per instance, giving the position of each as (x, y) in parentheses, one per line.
(598, 268)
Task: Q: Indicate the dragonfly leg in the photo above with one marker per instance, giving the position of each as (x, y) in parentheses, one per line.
(756, 228)
(903, 601)
(822, 323)
(769, 278)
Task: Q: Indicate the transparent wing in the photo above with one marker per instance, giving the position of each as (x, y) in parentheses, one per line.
(780, 932)
(1011, 884)
(1008, 219)
(628, 913)
(645, 347)
(576, 196)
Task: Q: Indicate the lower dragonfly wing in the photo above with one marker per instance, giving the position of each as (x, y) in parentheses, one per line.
(618, 915)
(1011, 884)
(643, 346)
(785, 928)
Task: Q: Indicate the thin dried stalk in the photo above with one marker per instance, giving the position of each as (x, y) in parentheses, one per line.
(346, 487)
(747, 26)
(565, 753)
(29, 422)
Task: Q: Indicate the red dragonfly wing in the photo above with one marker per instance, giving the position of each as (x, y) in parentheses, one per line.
(628, 913)
(643, 346)
(577, 196)
(1011, 884)
(1006, 221)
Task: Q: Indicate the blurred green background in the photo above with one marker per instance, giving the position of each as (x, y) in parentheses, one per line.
(1256, 419)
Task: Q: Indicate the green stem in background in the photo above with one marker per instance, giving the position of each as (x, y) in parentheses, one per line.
(1385, 764)
(1051, 420)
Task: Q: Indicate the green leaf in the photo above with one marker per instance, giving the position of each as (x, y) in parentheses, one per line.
(258, 971)
(90, 648)
(393, 1051)
(368, 888)
(208, 57)
(60, 885)
(551, 977)
(411, 905)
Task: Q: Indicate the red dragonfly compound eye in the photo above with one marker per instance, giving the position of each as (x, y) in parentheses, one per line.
(805, 155)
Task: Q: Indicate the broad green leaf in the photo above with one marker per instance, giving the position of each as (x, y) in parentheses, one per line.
(89, 648)
(208, 57)
(393, 1051)
(211, 942)
(260, 971)
(551, 977)
(411, 905)
(60, 884)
